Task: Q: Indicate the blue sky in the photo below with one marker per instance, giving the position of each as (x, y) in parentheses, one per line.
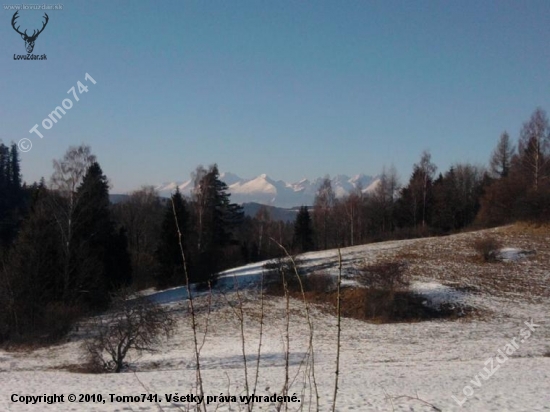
(289, 88)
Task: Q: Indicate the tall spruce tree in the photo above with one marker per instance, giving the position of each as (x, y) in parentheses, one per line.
(102, 260)
(216, 219)
(34, 267)
(4, 195)
(501, 158)
(445, 201)
(169, 253)
(303, 231)
(12, 196)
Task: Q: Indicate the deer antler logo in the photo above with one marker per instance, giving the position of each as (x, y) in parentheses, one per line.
(29, 40)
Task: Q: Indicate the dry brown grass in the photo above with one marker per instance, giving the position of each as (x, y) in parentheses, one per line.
(451, 260)
(373, 306)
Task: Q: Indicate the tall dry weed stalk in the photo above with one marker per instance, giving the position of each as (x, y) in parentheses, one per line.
(310, 367)
(338, 315)
(198, 374)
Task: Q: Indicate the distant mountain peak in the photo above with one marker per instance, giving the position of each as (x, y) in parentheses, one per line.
(265, 190)
(229, 178)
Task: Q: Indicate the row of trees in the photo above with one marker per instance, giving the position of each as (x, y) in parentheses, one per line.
(215, 234)
(427, 204)
(203, 227)
(68, 254)
(516, 185)
(521, 175)
(66, 248)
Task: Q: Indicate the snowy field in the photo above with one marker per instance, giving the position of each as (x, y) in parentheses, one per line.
(383, 367)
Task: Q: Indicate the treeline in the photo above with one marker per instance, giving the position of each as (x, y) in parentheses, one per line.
(194, 237)
(428, 204)
(514, 186)
(66, 254)
(64, 249)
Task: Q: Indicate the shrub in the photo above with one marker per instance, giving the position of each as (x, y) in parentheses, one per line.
(384, 276)
(131, 325)
(486, 248)
(383, 280)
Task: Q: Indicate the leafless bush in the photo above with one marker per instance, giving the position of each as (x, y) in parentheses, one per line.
(383, 280)
(384, 276)
(486, 247)
(132, 325)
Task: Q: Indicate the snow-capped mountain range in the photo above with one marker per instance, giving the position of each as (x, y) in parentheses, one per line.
(268, 191)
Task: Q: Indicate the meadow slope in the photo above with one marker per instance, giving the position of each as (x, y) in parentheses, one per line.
(383, 367)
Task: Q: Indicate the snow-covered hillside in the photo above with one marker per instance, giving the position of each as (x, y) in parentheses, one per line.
(265, 190)
(383, 367)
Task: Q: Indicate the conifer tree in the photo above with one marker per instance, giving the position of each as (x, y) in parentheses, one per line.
(216, 219)
(12, 196)
(102, 262)
(501, 159)
(171, 270)
(4, 196)
(34, 268)
(303, 231)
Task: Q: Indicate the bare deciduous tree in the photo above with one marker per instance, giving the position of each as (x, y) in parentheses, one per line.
(68, 175)
(325, 200)
(200, 201)
(352, 206)
(141, 216)
(384, 198)
(263, 219)
(534, 144)
(69, 171)
(428, 169)
(133, 325)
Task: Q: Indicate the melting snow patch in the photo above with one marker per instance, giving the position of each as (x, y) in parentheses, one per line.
(437, 295)
(510, 254)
